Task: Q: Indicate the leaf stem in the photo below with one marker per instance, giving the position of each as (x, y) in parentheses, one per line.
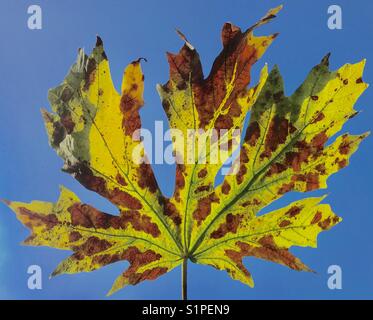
(184, 275)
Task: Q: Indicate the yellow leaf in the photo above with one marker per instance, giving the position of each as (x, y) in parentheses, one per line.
(289, 145)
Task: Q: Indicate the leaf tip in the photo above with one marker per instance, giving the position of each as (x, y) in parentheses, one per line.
(62, 188)
(321, 198)
(5, 201)
(26, 242)
(250, 282)
(272, 13)
(99, 42)
(325, 59)
(279, 7)
(364, 135)
(275, 35)
(46, 115)
(111, 292)
(276, 68)
(138, 60)
(340, 219)
(55, 273)
(159, 89)
(312, 271)
(184, 38)
(43, 111)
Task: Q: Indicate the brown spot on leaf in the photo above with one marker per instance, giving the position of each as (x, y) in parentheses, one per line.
(284, 223)
(140, 222)
(180, 171)
(122, 198)
(202, 173)
(204, 207)
(312, 181)
(325, 224)
(90, 74)
(236, 257)
(66, 94)
(296, 159)
(229, 226)
(105, 259)
(254, 202)
(149, 274)
(74, 236)
(59, 133)
(321, 168)
(181, 86)
(293, 211)
(120, 180)
(129, 106)
(86, 216)
(36, 219)
(166, 106)
(319, 140)
(201, 189)
(317, 217)
(146, 178)
(171, 211)
(278, 132)
(241, 173)
(320, 116)
(92, 246)
(179, 180)
(137, 259)
(225, 188)
(342, 163)
(344, 147)
(242, 163)
(252, 133)
(67, 122)
(286, 187)
(276, 168)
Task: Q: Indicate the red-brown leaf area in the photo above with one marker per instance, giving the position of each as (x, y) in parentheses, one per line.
(267, 250)
(237, 56)
(82, 221)
(130, 106)
(214, 100)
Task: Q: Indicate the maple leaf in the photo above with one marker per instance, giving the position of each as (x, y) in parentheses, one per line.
(285, 148)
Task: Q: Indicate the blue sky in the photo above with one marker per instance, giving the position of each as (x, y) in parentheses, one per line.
(34, 61)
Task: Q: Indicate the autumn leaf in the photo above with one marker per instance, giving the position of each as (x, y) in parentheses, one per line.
(288, 146)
